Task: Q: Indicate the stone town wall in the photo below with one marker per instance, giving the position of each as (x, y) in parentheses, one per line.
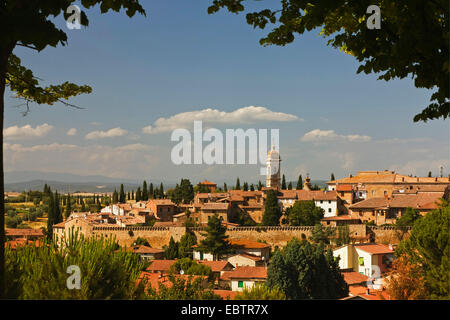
(156, 236)
(275, 236)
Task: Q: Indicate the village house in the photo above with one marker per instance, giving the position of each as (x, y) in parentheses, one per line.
(249, 247)
(245, 277)
(208, 184)
(147, 253)
(367, 259)
(386, 210)
(162, 209)
(380, 184)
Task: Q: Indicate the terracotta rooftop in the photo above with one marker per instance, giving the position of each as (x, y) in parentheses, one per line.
(24, 232)
(353, 277)
(387, 177)
(215, 206)
(374, 248)
(207, 183)
(249, 256)
(425, 200)
(344, 187)
(144, 249)
(246, 273)
(217, 266)
(316, 195)
(340, 218)
(160, 265)
(248, 244)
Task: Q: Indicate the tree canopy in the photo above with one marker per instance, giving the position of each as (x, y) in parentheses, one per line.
(304, 213)
(428, 247)
(272, 211)
(412, 41)
(303, 271)
(215, 242)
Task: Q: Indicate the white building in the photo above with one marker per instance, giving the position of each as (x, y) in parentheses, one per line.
(371, 260)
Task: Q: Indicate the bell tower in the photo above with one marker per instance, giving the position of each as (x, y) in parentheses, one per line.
(273, 169)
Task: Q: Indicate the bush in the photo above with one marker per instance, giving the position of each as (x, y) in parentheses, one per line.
(41, 272)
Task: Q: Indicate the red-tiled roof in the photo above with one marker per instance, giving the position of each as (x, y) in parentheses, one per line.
(217, 266)
(161, 265)
(215, 206)
(339, 218)
(24, 232)
(207, 183)
(375, 248)
(248, 244)
(354, 277)
(144, 249)
(316, 195)
(245, 273)
(344, 187)
(249, 256)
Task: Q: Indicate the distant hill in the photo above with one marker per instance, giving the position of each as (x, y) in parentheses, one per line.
(18, 181)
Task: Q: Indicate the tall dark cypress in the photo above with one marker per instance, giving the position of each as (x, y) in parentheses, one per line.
(299, 183)
(283, 183)
(161, 190)
(121, 194)
(144, 191)
(151, 192)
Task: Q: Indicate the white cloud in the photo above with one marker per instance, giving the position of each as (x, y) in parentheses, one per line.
(27, 131)
(72, 132)
(245, 115)
(40, 147)
(317, 135)
(115, 132)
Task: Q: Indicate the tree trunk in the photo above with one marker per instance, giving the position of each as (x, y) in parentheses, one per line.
(2, 185)
(4, 56)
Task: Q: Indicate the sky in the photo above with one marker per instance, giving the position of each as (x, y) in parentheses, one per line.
(151, 75)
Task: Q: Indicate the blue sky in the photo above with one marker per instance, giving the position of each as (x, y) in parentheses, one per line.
(180, 59)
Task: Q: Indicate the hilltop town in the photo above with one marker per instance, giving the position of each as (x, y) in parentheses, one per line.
(357, 218)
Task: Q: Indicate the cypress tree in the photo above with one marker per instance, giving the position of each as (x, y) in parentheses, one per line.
(132, 194)
(238, 184)
(122, 194)
(144, 191)
(215, 242)
(225, 188)
(138, 194)
(68, 207)
(161, 190)
(245, 186)
(115, 197)
(151, 191)
(272, 212)
(332, 177)
(299, 183)
(260, 185)
(283, 183)
(290, 185)
(252, 187)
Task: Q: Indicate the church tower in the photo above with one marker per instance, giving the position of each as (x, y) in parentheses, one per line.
(273, 169)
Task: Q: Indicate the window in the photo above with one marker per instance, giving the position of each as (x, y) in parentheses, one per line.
(329, 201)
(321, 201)
(342, 194)
(329, 209)
(361, 261)
(240, 284)
(201, 255)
